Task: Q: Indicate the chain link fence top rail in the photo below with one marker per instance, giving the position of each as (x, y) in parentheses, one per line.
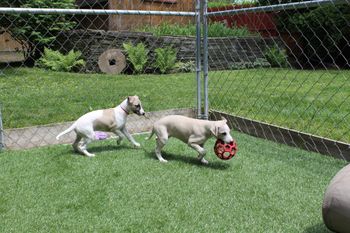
(289, 76)
(278, 63)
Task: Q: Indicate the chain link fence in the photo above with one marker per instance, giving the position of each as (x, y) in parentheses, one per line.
(62, 59)
(277, 70)
(289, 80)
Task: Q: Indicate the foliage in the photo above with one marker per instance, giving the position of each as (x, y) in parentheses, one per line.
(25, 26)
(184, 67)
(258, 63)
(322, 33)
(326, 33)
(56, 61)
(223, 3)
(276, 57)
(215, 29)
(166, 28)
(137, 55)
(165, 59)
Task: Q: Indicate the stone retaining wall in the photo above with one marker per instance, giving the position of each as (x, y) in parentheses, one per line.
(223, 52)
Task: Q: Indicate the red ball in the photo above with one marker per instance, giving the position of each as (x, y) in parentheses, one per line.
(225, 151)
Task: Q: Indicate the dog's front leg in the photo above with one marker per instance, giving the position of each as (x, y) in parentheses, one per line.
(120, 136)
(201, 151)
(129, 137)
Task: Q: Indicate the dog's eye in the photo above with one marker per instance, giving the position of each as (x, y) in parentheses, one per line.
(137, 106)
(224, 134)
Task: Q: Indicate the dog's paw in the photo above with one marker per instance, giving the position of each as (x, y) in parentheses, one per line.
(204, 161)
(163, 160)
(137, 145)
(119, 141)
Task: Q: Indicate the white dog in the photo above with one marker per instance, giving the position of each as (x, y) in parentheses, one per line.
(108, 120)
(191, 131)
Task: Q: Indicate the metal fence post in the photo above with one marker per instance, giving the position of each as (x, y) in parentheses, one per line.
(198, 58)
(205, 59)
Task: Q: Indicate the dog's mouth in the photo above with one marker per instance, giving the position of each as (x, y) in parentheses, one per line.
(139, 113)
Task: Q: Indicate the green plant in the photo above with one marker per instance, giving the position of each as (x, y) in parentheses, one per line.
(165, 59)
(42, 29)
(258, 63)
(223, 3)
(276, 57)
(321, 33)
(137, 55)
(56, 61)
(215, 29)
(184, 67)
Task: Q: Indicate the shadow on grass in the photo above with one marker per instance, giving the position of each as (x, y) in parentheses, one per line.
(188, 159)
(108, 148)
(99, 149)
(318, 228)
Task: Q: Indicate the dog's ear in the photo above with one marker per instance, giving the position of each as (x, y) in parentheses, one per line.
(223, 119)
(214, 130)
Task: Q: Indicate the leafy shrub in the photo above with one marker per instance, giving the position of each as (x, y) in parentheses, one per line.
(215, 29)
(25, 26)
(322, 33)
(325, 31)
(223, 3)
(56, 61)
(276, 57)
(165, 59)
(258, 63)
(137, 55)
(166, 29)
(185, 67)
(218, 29)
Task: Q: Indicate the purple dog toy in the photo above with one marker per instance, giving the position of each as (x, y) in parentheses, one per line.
(100, 135)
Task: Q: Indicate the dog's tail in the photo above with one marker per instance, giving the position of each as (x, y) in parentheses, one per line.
(71, 128)
(150, 136)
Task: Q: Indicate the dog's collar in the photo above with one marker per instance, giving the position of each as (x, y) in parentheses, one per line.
(127, 113)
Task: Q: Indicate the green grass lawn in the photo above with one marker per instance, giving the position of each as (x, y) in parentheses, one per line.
(267, 187)
(316, 102)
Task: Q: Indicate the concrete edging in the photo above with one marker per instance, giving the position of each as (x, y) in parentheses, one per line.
(43, 135)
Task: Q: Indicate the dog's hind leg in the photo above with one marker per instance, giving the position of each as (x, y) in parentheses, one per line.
(160, 144)
(83, 147)
(76, 144)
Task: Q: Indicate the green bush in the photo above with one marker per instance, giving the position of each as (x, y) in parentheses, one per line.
(215, 29)
(276, 57)
(38, 30)
(258, 63)
(325, 34)
(322, 33)
(223, 3)
(185, 67)
(165, 59)
(137, 55)
(56, 61)
(218, 29)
